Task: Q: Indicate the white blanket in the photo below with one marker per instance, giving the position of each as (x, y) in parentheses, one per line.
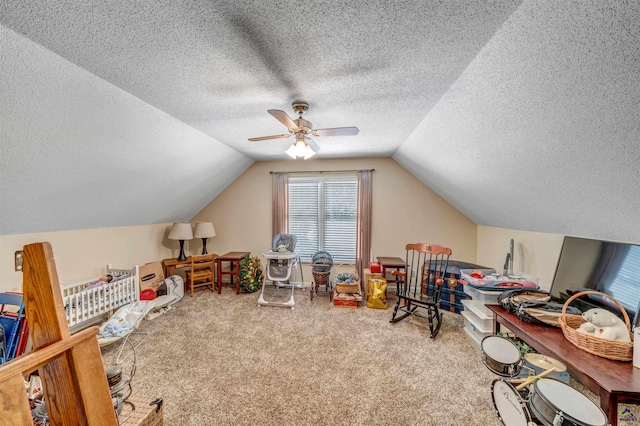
(125, 319)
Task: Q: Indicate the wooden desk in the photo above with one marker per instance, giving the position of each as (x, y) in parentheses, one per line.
(613, 381)
(234, 258)
(170, 264)
(391, 263)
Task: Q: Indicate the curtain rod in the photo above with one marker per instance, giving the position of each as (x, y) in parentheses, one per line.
(327, 171)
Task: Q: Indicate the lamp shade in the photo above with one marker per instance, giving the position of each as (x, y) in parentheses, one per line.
(181, 231)
(204, 230)
(301, 149)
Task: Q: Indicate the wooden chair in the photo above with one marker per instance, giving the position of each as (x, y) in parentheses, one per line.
(201, 273)
(420, 285)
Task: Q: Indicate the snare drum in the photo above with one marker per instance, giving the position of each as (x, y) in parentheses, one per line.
(501, 356)
(555, 403)
(509, 406)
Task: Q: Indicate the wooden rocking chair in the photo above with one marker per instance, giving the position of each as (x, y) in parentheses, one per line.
(420, 285)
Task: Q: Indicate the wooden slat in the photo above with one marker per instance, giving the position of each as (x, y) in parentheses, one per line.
(45, 313)
(73, 383)
(92, 383)
(38, 357)
(14, 406)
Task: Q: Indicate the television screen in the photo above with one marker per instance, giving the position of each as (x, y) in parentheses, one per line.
(604, 266)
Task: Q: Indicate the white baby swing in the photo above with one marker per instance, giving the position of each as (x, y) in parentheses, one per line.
(281, 262)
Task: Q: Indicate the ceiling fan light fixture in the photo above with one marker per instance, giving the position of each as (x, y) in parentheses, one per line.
(291, 152)
(309, 152)
(301, 148)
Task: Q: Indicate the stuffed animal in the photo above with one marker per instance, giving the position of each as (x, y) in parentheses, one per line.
(605, 325)
(281, 248)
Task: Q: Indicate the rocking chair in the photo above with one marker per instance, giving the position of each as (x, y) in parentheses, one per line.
(420, 285)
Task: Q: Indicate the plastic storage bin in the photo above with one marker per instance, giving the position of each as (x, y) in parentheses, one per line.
(474, 323)
(480, 310)
(473, 338)
(498, 282)
(485, 297)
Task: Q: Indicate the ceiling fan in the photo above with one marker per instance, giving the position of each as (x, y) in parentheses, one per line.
(300, 128)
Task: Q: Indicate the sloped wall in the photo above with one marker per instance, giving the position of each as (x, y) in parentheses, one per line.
(535, 253)
(80, 153)
(83, 254)
(540, 132)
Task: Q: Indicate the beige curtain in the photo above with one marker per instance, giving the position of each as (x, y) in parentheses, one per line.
(280, 203)
(363, 227)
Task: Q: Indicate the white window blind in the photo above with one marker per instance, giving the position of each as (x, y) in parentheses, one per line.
(323, 214)
(625, 288)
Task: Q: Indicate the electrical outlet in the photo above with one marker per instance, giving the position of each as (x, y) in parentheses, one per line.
(18, 259)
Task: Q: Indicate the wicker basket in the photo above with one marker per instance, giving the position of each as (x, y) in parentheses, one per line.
(139, 412)
(342, 287)
(619, 351)
(321, 278)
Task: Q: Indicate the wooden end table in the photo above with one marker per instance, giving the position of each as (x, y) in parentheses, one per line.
(391, 263)
(234, 258)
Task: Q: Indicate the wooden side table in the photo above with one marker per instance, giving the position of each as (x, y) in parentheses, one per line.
(234, 258)
(391, 263)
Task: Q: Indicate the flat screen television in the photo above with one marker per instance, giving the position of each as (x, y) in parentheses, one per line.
(604, 266)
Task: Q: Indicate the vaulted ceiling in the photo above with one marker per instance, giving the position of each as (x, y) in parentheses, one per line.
(521, 114)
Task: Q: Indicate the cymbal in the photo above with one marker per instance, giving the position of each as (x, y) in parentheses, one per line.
(544, 362)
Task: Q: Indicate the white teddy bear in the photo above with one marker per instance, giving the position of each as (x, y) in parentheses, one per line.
(605, 325)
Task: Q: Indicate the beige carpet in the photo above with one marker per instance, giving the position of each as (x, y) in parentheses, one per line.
(222, 360)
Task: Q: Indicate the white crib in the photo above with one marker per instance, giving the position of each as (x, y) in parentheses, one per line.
(89, 302)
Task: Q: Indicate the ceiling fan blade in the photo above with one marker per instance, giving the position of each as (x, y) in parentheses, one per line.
(314, 146)
(264, 138)
(336, 131)
(282, 117)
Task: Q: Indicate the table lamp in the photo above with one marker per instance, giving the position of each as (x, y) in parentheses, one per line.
(204, 230)
(181, 231)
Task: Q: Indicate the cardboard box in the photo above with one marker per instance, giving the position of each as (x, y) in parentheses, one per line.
(151, 276)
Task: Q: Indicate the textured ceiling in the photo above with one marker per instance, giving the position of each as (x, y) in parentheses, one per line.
(219, 65)
(522, 114)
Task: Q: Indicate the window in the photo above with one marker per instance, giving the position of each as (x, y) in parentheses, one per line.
(323, 215)
(624, 287)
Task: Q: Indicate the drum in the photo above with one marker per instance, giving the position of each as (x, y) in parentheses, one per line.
(501, 356)
(509, 406)
(555, 403)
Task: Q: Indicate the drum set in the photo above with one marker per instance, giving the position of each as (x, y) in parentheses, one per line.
(537, 399)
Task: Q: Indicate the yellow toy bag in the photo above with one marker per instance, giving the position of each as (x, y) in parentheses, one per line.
(377, 293)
